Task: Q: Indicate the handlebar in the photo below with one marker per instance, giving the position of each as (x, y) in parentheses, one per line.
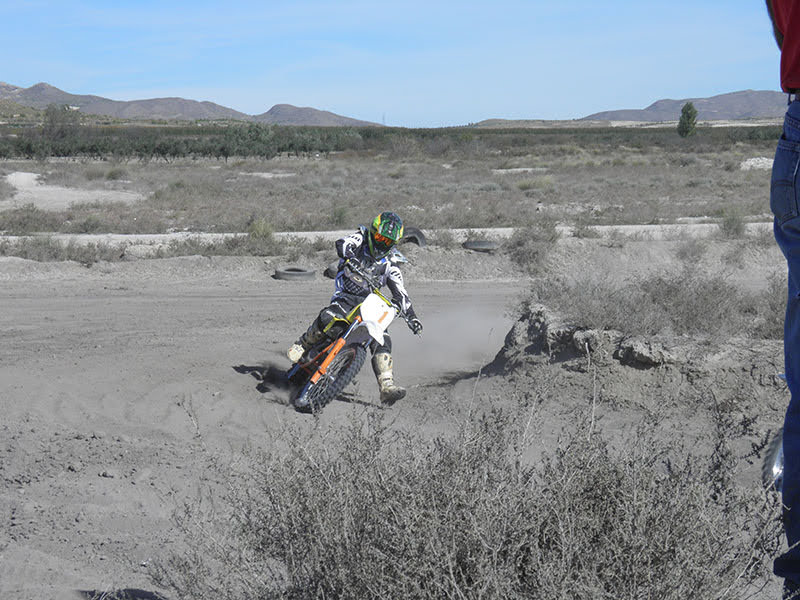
(356, 267)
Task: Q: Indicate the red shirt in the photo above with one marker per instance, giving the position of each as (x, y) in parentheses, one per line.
(787, 20)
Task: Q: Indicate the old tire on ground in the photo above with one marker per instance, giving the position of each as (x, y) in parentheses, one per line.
(340, 372)
(331, 270)
(772, 469)
(414, 236)
(294, 274)
(480, 245)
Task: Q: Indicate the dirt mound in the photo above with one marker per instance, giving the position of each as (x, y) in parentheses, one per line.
(631, 368)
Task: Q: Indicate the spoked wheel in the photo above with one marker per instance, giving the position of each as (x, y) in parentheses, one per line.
(340, 372)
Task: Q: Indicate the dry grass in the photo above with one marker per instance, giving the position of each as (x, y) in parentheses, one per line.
(46, 249)
(260, 241)
(592, 183)
(682, 302)
(530, 246)
(371, 512)
(7, 191)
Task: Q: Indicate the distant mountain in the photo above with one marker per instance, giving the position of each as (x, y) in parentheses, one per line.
(286, 114)
(42, 94)
(747, 104)
(12, 110)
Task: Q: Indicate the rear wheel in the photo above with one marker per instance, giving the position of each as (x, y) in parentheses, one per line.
(340, 372)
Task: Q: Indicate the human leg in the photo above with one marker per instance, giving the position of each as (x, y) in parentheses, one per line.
(316, 331)
(382, 366)
(784, 193)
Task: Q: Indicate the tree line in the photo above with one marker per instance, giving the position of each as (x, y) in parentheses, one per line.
(63, 134)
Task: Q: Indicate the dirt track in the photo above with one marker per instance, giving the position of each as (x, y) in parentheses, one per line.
(109, 374)
(121, 382)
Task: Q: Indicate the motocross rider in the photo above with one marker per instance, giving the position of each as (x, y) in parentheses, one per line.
(371, 247)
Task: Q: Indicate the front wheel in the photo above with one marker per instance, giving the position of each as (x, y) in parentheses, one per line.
(340, 372)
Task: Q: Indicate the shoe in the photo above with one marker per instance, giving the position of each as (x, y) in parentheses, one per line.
(382, 366)
(295, 353)
(391, 394)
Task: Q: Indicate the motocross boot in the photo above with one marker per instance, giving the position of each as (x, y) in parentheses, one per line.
(308, 339)
(382, 365)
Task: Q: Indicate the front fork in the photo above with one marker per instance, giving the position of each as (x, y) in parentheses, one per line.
(320, 371)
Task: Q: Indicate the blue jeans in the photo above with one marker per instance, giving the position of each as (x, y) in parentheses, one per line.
(783, 200)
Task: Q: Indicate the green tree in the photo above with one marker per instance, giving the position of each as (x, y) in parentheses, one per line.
(688, 121)
(60, 122)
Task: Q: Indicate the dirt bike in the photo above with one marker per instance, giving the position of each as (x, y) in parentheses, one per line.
(327, 367)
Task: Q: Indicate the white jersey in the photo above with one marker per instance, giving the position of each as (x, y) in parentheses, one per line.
(355, 246)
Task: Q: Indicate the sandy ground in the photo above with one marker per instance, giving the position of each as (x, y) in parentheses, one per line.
(109, 374)
(53, 197)
(121, 382)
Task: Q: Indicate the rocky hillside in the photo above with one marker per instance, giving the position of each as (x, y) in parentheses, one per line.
(39, 96)
(286, 114)
(747, 104)
(12, 110)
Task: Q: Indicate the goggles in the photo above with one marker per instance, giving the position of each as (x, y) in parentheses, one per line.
(382, 241)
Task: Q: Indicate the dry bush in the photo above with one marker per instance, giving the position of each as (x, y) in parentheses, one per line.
(7, 190)
(29, 219)
(117, 217)
(769, 324)
(261, 229)
(92, 173)
(259, 241)
(367, 512)
(691, 251)
(529, 246)
(763, 238)
(732, 224)
(583, 228)
(116, 173)
(244, 245)
(46, 249)
(677, 303)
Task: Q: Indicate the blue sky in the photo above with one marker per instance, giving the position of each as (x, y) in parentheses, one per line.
(412, 64)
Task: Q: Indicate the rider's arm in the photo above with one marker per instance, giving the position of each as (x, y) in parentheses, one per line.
(348, 246)
(394, 280)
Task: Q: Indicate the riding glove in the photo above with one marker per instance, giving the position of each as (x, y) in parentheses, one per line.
(415, 325)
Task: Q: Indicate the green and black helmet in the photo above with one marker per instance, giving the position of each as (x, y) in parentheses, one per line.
(386, 230)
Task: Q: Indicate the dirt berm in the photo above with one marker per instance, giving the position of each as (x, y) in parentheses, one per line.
(686, 382)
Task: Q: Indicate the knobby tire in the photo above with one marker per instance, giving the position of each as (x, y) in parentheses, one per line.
(340, 372)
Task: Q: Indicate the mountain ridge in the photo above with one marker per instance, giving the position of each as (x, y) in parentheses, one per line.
(733, 106)
(42, 94)
(744, 104)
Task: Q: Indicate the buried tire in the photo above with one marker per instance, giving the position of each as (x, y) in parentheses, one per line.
(294, 274)
(412, 235)
(340, 372)
(480, 245)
